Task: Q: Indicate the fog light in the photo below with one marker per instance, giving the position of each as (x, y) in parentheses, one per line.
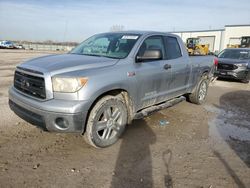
(62, 123)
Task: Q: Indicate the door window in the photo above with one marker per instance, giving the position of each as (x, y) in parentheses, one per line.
(173, 49)
(152, 43)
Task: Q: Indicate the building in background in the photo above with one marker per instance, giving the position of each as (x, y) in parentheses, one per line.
(218, 39)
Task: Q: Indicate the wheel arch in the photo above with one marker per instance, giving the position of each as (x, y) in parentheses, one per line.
(120, 92)
(204, 73)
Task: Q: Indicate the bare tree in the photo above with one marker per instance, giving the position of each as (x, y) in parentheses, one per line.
(117, 28)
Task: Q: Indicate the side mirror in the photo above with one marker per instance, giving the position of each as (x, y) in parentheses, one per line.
(150, 55)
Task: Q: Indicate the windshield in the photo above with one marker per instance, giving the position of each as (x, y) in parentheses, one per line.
(193, 40)
(8, 42)
(235, 54)
(112, 45)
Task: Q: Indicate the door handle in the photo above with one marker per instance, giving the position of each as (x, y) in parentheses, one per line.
(167, 66)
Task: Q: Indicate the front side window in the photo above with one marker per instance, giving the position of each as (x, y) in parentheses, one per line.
(112, 45)
(152, 43)
(173, 49)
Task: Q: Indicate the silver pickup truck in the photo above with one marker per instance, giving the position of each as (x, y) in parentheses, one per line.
(106, 82)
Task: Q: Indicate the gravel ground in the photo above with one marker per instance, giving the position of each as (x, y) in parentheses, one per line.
(201, 147)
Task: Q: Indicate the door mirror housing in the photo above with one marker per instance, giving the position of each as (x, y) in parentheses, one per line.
(150, 55)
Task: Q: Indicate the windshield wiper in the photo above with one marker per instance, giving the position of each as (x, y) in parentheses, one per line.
(75, 53)
(93, 55)
(96, 55)
(101, 56)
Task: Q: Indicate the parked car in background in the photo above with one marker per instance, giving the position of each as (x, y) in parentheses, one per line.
(7, 44)
(234, 63)
(106, 82)
(19, 46)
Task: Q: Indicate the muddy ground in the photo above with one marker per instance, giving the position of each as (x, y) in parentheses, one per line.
(202, 146)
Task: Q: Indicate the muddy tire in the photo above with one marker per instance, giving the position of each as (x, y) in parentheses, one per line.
(200, 92)
(107, 121)
(245, 81)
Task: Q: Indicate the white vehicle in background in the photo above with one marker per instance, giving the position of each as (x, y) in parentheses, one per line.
(20, 46)
(7, 44)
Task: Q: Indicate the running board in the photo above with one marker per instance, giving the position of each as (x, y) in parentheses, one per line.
(155, 108)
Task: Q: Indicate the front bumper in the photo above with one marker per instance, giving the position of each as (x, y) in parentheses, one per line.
(52, 115)
(239, 74)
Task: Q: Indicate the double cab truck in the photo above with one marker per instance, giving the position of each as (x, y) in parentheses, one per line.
(106, 82)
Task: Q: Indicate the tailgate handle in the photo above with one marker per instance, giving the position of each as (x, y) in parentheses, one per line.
(167, 66)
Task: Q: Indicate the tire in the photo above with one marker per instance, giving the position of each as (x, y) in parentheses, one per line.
(107, 121)
(245, 81)
(200, 92)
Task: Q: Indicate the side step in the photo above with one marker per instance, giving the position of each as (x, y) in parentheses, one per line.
(155, 108)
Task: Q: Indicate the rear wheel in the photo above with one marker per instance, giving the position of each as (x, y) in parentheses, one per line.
(106, 122)
(200, 93)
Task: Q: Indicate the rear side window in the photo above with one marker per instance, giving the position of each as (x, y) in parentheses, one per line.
(173, 49)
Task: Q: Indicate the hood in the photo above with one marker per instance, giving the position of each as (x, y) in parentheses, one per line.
(232, 61)
(67, 63)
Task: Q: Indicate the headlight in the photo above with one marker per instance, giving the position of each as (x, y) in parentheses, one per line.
(68, 85)
(242, 65)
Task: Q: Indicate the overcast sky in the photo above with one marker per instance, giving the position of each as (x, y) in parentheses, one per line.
(75, 20)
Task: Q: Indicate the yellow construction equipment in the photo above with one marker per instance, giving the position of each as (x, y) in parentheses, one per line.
(194, 47)
(245, 42)
(233, 45)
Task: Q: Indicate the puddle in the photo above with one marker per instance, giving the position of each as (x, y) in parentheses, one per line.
(230, 124)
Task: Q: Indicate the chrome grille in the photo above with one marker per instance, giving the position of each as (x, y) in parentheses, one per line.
(29, 84)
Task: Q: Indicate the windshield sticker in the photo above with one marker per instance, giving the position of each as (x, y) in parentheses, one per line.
(133, 37)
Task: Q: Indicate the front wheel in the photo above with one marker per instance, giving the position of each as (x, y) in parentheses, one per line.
(245, 81)
(106, 122)
(200, 93)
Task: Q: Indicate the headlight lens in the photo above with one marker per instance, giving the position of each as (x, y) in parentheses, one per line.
(68, 85)
(242, 65)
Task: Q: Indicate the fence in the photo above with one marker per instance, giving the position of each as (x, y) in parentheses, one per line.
(47, 47)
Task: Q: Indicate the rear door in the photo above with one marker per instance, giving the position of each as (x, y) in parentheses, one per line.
(180, 67)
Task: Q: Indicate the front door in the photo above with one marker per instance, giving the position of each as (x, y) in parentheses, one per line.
(152, 78)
